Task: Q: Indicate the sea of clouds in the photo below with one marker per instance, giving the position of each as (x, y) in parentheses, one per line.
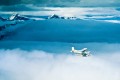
(18, 64)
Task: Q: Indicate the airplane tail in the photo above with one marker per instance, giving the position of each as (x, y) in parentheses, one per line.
(73, 48)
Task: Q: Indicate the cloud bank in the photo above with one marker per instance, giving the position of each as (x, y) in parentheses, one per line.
(19, 64)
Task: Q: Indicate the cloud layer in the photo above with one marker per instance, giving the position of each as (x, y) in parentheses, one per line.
(19, 64)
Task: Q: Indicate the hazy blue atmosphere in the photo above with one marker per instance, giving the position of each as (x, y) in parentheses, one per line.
(36, 37)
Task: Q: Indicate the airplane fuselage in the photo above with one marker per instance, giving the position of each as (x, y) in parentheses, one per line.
(81, 52)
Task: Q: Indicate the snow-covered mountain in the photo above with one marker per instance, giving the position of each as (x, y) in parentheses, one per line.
(7, 25)
(54, 16)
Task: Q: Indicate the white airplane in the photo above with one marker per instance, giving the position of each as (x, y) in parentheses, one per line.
(83, 52)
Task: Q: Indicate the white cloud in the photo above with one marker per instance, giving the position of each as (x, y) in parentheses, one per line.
(19, 64)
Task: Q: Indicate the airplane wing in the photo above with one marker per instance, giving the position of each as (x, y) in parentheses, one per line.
(83, 50)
